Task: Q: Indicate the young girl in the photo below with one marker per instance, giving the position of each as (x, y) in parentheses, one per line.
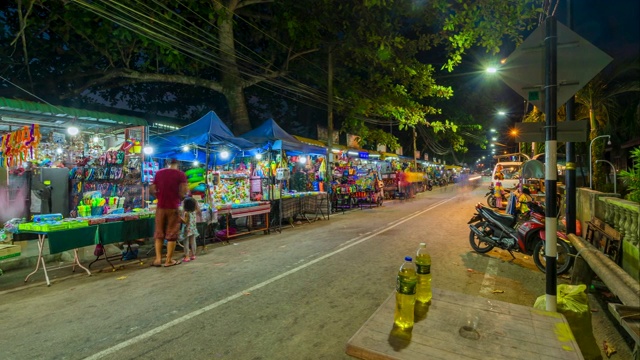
(189, 230)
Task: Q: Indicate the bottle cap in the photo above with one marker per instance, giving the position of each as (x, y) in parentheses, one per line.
(408, 258)
(423, 245)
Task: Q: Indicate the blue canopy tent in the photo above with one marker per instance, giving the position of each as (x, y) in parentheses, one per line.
(270, 134)
(204, 136)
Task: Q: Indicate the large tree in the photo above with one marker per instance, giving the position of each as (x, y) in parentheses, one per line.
(168, 55)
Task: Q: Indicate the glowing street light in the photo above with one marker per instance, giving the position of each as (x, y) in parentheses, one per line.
(492, 70)
(502, 113)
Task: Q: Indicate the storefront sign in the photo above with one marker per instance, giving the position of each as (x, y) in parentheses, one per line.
(363, 155)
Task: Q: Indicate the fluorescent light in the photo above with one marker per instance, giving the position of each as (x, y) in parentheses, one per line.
(147, 150)
(224, 154)
(258, 156)
(185, 148)
(72, 130)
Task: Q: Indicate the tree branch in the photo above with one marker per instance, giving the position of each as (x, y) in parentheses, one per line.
(138, 77)
(244, 3)
(256, 79)
(291, 57)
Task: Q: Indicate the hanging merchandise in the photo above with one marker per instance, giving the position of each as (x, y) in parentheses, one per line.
(19, 146)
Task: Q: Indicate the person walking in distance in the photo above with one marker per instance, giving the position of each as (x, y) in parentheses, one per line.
(169, 187)
(189, 230)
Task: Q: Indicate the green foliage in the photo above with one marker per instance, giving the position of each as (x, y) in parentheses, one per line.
(631, 177)
(470, 23)
(376, 136)
(180, 57)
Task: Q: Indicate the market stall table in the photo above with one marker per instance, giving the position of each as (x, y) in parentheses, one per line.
(504, 331)
(123, 232)
(232, 212)
(63, 240)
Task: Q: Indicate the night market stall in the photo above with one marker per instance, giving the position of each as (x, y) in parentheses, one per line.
(292, 173)
(208, 151)
(63, 203)
(356, 177)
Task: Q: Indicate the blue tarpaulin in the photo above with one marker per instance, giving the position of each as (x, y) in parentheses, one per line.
(208, 132)
(270, 134)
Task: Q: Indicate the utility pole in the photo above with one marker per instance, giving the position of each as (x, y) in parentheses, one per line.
(329, 120)
(551, 154)
(570, 174)
(415, 159)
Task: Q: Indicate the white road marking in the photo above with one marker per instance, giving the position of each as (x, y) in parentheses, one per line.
(489, 279)
(216, 304)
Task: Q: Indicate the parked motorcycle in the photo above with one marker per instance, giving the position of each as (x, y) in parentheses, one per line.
(491, 198)
(429, 185)
(490, 229)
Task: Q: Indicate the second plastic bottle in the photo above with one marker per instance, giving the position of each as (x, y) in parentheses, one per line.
(423, 270)
(405, 294)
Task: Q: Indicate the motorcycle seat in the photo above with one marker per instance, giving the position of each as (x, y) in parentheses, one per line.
(504, 219)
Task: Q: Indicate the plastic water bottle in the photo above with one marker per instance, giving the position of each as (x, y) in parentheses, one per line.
(423, 265)
(405, 295)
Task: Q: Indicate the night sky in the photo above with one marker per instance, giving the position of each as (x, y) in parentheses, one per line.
(612, 25)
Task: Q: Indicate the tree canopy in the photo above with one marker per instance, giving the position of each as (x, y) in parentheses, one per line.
(247, 58)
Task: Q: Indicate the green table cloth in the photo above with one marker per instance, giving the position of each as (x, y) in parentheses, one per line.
(106, 233)
(125, 231)
(70, 239)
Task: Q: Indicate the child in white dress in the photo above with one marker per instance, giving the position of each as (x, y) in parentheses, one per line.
(189, 229)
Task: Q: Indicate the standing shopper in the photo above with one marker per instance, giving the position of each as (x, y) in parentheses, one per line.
(169, 187)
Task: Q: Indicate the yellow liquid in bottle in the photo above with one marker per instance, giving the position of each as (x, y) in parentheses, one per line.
(423, 288)
(405, 299)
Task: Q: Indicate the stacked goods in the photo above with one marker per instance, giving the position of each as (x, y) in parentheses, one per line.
(196, 180)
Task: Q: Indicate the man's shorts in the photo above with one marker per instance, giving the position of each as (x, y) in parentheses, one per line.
(167, 224)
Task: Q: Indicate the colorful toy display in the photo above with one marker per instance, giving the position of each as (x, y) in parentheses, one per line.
(232, 188)
(196, 180)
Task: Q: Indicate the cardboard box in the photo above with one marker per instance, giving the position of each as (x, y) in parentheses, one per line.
(9, 251)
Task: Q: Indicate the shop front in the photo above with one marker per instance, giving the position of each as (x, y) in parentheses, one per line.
(64, 188)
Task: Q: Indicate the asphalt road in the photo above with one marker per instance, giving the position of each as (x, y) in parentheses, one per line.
(300, 294)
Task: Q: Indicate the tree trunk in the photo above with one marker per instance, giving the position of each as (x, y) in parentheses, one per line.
(238, 108)
(232, 80)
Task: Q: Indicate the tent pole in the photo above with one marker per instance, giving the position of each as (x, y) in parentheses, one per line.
(207, 193)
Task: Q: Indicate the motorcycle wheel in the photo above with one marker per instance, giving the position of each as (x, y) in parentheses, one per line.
(491, 201)
(476, 244)
(564, 258)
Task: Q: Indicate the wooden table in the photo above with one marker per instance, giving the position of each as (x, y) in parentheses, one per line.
(504, 331)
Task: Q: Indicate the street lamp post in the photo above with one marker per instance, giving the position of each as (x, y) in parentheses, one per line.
(591, 162)
(615, 176)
